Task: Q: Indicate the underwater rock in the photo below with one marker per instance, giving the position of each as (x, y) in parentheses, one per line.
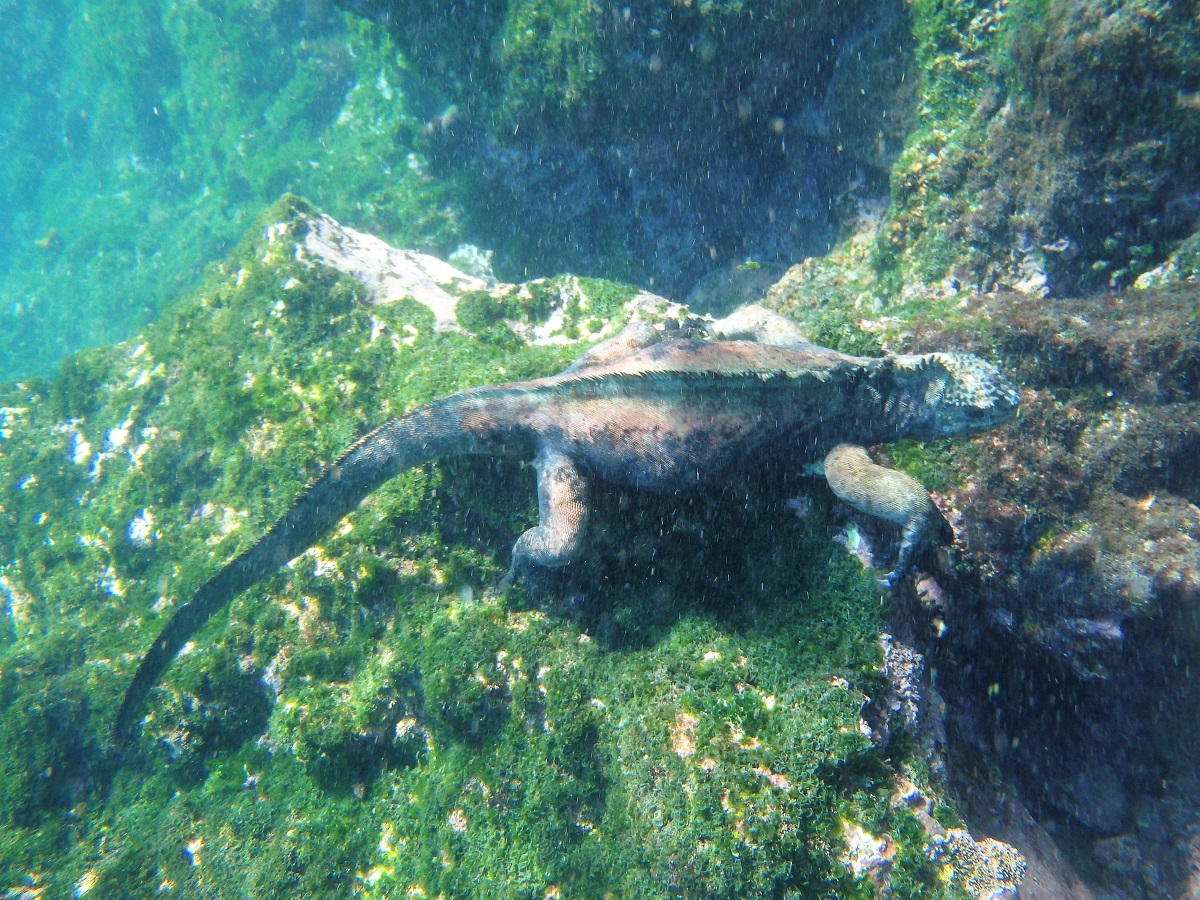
(757, 323)
(1072, 609)
(1048, 151)
(1145, 860)
(1065, 624)
(1088, 517)
(1095, 796)
(722, 291)
(1063, 164)
(1043, 149)
(668, 140)
(473, 261)
(681, 717)
(905, 670)
(868, 856)
(991, 870)
(1183, 265)
(390, 274)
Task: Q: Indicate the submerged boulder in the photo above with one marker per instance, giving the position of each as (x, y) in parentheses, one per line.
(1044, 148)
(657, 140)
(683, 713)
(1065, 628)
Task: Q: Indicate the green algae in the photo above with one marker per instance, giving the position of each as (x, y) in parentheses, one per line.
(996, 183)
(931, 463)
(954, 46)
(589, 309)
(377, 719)
(551, 56)
(183, 121)
(1046, 146)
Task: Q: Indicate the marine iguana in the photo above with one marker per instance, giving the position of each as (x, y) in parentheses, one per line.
(647, 415)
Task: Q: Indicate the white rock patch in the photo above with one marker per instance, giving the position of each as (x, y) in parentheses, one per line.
(388, 273)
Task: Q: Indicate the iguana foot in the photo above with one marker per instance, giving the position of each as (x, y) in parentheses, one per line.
(562, 515)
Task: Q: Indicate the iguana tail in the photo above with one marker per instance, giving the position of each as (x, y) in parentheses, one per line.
(420, 436)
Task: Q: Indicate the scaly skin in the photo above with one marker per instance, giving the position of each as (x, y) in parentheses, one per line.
(665, 417)
(886, 494)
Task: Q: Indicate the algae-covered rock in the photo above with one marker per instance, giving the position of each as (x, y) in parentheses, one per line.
(1065, 627)
(141, 142)
(1044, 147)
(680, 714)
(654, 140)
(1051, 149)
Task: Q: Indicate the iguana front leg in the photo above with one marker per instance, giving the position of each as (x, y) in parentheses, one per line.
(562, 515)
(886, 494)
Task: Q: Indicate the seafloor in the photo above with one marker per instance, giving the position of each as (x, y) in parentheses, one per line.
(717, 700)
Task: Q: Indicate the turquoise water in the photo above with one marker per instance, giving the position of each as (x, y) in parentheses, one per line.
(717, 699)
(141, 139)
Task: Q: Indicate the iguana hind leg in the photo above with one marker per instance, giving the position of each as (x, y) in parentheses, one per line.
(886, 494)
(634, 336)
(562, 515)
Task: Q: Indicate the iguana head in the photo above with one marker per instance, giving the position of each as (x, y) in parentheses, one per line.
(959, 393)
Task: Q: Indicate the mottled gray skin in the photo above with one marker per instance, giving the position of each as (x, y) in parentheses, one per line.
(666, 417)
